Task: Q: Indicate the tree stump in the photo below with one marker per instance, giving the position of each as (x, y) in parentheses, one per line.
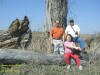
(17, 35)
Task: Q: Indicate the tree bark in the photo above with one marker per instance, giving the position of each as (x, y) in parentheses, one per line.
(55, 10)
(9, 43)
(13, 56)
(17, 35)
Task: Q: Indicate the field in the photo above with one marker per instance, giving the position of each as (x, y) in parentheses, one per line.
(38, 44)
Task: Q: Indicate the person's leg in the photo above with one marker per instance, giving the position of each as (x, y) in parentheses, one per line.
(61, 48)
(67, 58)
(75, 56)
(55, 42)
(80, 40)
(74, 39)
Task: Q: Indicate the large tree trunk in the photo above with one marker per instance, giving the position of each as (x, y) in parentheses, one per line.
(55, 9)
(13, 56)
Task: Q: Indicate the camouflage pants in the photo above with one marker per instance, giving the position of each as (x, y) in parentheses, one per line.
(58, 47)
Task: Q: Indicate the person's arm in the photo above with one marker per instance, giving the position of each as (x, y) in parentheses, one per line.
(73, 46)
(78, 29)
(78, 33)
(51, 38)
(63, 37)
(66, 31)
(76, 48)
(70, 46)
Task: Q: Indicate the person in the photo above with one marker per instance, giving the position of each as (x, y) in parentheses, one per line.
(56, 37)
(70, 46)
(74, 30)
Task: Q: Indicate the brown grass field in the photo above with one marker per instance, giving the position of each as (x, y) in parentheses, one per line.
(38, 45)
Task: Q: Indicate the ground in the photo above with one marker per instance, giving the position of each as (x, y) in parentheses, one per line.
(38, 44)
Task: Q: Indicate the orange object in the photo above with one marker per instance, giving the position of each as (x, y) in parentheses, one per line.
(57, 32)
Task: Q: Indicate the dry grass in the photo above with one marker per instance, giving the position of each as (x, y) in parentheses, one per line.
(38, 44)
(35, 69)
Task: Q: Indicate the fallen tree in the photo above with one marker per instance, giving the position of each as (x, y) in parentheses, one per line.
(17, 35)
(14, 56)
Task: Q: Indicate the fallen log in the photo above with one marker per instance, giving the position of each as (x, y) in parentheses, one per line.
(14, 56)
(8, 43)
(18, 35)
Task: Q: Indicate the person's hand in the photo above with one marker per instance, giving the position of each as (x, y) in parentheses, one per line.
(76, 48)
(63, 43)
(80, 49)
